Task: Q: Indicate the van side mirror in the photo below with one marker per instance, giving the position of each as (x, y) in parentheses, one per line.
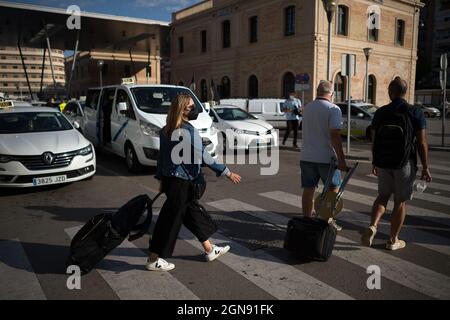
(121, 108)
(207, 106)
(76, 125)
(360, 115)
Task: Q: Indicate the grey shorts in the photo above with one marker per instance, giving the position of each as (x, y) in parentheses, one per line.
(398, 182)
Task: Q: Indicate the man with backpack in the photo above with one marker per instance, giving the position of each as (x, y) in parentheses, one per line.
(398, 131)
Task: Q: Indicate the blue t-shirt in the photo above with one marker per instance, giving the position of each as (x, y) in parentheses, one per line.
(292, 104)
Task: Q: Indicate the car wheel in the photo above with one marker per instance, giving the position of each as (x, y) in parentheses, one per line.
(131, 159)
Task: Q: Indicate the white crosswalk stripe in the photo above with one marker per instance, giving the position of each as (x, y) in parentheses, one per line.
(433, 185)
(422, 196)
(440, 167)
(135, 283)
(422, 238)
(403, 272)
(18, 280)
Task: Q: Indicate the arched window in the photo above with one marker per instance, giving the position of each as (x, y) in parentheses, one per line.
(225, 88)
(342, 21)
(253, 87)
(372, 94)
(203, 91)
(339, 88)
(288, 84)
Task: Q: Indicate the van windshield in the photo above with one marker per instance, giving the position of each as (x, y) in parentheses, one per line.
(158, 99)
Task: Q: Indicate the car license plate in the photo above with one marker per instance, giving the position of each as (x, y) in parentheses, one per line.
(49, 180)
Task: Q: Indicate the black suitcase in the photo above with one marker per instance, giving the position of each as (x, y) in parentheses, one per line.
(310, 238)
(104, 232)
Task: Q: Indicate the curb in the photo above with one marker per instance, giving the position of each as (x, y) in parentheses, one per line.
(436, 148)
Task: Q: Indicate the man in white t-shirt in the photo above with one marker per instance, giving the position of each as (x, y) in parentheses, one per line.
(321, 141)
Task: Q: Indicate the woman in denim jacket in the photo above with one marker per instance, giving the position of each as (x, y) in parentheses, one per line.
(180, 158)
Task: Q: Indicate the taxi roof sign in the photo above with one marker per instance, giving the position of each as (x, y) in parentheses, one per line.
(127, 80)
(6, 104)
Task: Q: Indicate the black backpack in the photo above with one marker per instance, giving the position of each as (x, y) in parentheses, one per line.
(394, 141)
(104, 232)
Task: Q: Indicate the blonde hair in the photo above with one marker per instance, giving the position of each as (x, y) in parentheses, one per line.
(175, 114)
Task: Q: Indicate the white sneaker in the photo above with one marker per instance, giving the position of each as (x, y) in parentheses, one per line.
(160, 265)
(368, 236)
(216, 252)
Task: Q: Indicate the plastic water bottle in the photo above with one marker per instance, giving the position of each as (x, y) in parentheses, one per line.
(420, 186)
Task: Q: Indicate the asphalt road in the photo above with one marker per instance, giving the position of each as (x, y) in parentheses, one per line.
(36, 227)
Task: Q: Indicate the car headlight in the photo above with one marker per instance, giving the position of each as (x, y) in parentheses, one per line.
(239, 131)
(149, 129)
(85, 151)
(5, 159)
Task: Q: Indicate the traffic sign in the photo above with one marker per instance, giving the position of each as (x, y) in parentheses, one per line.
(302, 78)
(348, 65)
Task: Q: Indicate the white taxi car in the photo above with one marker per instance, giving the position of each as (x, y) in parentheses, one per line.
(39, 146)
(242, 130)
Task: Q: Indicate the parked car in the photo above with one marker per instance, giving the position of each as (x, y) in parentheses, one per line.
(126, 120)
(270, 110)
(361, 115)
(74, 112)
(39, 146)
(429, 111)
(242, 130)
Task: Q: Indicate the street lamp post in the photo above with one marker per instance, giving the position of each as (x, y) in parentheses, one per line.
(367, 52)
(330, 8)
(100, 66)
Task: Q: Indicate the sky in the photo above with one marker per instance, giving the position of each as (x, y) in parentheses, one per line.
(146, 9)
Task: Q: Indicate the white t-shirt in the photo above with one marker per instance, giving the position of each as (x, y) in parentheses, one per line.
(319, 117)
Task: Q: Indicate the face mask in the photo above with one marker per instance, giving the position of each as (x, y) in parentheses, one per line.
(193, 114)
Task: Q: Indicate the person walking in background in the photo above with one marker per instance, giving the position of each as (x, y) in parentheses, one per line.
(180, 206)
(321, 141)
(399, 133)
(292, 110)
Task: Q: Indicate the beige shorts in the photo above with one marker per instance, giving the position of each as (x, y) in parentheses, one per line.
(399, 182)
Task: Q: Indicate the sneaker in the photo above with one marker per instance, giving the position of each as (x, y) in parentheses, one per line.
(400, 244)
(216, 252)
(335, 225)
(160, 265)
(368, 236)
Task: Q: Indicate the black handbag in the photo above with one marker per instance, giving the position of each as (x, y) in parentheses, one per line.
(198, 184)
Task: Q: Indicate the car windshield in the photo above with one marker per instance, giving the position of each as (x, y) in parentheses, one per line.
(27, 122)
(230, 114)
(369, 108)
(158, 99)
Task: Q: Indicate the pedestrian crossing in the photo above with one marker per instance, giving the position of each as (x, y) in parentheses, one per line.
(267, 267)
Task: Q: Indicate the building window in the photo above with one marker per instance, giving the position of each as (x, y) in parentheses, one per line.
(225, 88)
(226, 34)
(288, 84)
(371, 98)
(203, 91)
(342, 21)
(254, 29)
(373, 34)
(289, 21)
(203, 36)
(15, 67)
(181, 45)
(5, 84)
(339, 88)
(253, 87)
(400, 32)
(3, 58)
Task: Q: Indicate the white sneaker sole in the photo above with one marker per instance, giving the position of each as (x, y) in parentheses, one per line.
(367, 237)
(158, 269)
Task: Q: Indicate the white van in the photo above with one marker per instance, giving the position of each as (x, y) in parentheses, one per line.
(126, 120)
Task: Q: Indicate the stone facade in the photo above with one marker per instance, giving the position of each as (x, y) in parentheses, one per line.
(276, 54)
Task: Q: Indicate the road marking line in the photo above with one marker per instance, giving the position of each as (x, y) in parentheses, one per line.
(18, 280)
(124, 271)
(422, 196)
(403, 272)
(419, 237)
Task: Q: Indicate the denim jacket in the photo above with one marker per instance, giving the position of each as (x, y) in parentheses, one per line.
(168, 167)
